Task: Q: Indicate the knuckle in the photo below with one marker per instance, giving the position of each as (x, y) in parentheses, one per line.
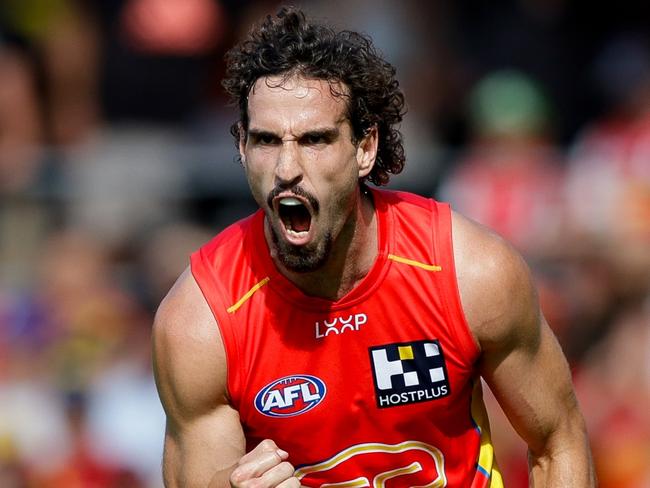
(237, 476)
(267, 445)
(286, 468)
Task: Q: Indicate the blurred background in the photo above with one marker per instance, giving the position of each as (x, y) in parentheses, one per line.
(531, 116)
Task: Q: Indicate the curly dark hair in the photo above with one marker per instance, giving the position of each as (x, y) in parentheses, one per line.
(288, 44)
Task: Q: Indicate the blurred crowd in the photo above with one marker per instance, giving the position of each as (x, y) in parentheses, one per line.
(116, 163)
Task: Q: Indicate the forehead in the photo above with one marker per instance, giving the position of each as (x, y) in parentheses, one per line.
(295, 103)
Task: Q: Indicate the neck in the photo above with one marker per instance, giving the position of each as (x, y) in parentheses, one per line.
(352, 256)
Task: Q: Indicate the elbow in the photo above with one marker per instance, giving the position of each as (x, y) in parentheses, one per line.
(564, 455)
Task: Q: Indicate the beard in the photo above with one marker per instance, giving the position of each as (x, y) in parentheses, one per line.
(302, 259)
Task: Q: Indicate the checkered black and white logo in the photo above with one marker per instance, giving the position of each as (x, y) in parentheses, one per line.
(408, 372)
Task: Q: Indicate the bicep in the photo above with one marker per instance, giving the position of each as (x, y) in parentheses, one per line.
(203, 435)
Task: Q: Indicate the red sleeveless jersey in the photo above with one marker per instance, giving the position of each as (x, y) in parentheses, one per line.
(376, 389)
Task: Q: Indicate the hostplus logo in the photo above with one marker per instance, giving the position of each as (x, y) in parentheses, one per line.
(409, 372)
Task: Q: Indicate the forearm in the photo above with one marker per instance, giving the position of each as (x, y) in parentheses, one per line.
(186, 467)
(565, 460)
(221, 479)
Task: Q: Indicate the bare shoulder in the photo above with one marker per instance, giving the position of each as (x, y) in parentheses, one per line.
(203, 436)
(189, 357)
(496, 287)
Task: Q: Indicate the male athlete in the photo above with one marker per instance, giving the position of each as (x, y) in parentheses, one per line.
(337, 337)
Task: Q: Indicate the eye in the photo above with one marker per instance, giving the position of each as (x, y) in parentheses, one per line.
(317, 138)
(263, 139)
(314, 139)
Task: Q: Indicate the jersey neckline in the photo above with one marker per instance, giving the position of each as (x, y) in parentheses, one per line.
(292, 294)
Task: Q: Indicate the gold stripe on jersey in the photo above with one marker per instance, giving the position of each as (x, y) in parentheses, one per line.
(376, 447)
(248, 294)
(486, 462)
(417, 264)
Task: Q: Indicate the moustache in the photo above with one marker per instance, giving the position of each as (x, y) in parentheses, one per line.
(298, 191)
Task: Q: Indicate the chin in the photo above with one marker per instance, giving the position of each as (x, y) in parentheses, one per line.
(302, 259)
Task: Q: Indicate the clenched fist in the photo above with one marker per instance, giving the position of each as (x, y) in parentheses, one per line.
(266, 466)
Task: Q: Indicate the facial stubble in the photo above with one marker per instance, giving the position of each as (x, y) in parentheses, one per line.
(302, 259)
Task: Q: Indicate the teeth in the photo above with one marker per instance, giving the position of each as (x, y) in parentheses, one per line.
(296, 234)
(290, 201)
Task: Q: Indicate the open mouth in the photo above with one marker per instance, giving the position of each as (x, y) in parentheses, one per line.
(295, 216)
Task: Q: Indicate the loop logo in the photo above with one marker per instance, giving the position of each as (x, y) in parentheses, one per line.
(409, 372)
(377, 465)
(290, 396)
(338, 325)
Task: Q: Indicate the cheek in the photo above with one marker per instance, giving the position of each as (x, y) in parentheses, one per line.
(338, 168)
(258, 183)
(338, 192)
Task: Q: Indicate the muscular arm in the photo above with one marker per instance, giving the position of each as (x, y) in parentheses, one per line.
(204, 440)
(203, 436)
(521, 360)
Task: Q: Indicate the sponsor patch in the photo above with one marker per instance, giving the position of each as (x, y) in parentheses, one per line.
(408, 372)
(290, 396)
(339, 325)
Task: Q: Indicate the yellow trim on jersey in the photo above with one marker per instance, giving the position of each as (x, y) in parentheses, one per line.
(361, 482)
(417, 264)
(248, 294)
(376, 447)
(380, 480)
(486, 461)
(496, 481)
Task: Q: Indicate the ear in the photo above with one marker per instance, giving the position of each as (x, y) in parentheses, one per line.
(242, 143)
(367, 152)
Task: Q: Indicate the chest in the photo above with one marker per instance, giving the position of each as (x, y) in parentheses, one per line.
(384, 370)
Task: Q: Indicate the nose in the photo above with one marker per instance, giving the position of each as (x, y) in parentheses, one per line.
(288, 169)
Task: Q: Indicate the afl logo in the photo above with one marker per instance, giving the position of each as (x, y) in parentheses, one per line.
(290, 396)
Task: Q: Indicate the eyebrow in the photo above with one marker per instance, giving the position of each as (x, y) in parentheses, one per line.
(326, 132)
(260, 133)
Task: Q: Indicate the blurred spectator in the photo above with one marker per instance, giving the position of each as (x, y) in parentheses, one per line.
(13, 473)
(172, 27)
(125, 418)
(158, 56)
(609, 173)
(162, 257)
(70, 53)
(82, 468)
(62, 37)
(20, 122)
(78, 326)
(614, 387)
(509, 178)
(33, 428)
(547, 40)
(93, 318)
(609, 219)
